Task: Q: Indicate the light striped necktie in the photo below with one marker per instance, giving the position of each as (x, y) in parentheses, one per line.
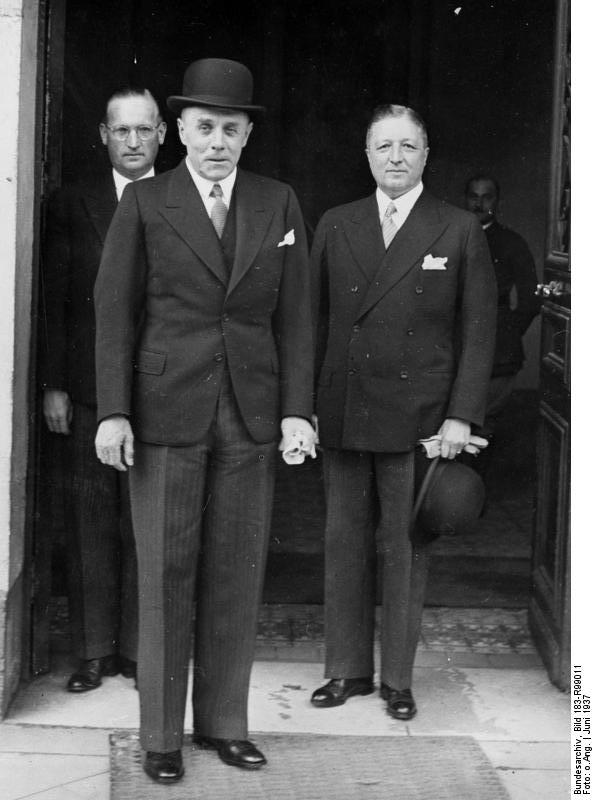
(219, 210)
(389, 225)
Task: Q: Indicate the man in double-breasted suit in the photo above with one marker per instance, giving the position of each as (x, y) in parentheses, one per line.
(204, 356)
(100, 545)
(406, 298)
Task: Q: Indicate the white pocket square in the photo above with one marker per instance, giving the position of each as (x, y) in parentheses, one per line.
(434, 262)
(288, 239)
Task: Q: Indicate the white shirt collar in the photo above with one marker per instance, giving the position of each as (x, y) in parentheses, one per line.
(403, 204)
(121, 181)
(204, 186)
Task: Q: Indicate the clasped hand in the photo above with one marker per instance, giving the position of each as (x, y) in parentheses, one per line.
(298, 440)
(449, 441)
(114, 443)
(454, 435)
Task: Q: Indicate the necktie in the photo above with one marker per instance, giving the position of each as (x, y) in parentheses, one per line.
(389, 225)
(219, 210)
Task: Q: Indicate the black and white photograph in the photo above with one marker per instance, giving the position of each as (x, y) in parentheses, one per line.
(285, 416)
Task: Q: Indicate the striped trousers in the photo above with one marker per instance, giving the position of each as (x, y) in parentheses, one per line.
(201, 520)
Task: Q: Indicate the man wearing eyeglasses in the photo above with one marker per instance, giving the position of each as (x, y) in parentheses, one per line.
(102, 570)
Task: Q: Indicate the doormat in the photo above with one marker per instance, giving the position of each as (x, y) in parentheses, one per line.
(316, 767)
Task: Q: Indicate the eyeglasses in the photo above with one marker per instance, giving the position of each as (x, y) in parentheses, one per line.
(143, 132)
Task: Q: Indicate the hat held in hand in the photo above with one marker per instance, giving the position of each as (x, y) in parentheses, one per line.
(450, 499)
(216, 83)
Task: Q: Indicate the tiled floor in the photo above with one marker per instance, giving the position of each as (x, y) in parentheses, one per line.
(477, 674)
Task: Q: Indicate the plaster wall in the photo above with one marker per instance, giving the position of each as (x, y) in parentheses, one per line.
(18, 67)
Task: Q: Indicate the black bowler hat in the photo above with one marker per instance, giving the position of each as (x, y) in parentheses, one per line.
(449, 499)
(216, 83)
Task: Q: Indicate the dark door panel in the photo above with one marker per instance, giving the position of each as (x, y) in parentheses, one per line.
(549, 608)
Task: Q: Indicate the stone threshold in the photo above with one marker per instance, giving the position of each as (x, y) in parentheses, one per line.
(450, 637)
(462, 637)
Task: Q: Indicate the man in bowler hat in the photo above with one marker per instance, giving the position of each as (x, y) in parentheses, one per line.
(407, 302)
(204, 360)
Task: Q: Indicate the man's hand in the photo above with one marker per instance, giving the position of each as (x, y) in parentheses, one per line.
(114, 443)
(455, 435)
(57, 410)
(298, 440)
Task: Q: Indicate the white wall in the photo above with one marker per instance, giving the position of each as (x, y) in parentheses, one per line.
(18, 71)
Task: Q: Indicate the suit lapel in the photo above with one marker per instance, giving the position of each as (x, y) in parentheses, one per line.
(185, 212)
(363, 232)
(101, 201)
(253, 220)
(417, 234)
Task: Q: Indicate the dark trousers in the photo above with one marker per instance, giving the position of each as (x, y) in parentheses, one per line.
(369, 504)
(102, 570)
(200, 512)
(500, 390)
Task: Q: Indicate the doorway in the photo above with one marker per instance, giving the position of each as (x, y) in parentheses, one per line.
(482, 78)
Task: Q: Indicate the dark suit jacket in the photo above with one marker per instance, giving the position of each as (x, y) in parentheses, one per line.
(168, 321)
(77, 224)
(514, 267)
(402, 347)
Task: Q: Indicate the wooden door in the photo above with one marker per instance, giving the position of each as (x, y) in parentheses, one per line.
(549, 609)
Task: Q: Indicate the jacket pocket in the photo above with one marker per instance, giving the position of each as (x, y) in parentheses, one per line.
(150, 362)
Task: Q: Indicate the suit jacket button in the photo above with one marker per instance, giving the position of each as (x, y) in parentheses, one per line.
(354, 288)
(355, 328)
(410, 332)
(218, 357)
(403, 375)
(352, 372)
(419, 290)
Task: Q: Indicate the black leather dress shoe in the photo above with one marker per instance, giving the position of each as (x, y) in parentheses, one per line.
(400, 704)
(89, 673)
(236, 752)
(338, 690)
(164, 767)
(127, 667)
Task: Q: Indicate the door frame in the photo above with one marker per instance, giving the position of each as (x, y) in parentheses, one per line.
(22, 28)
(47, 65)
